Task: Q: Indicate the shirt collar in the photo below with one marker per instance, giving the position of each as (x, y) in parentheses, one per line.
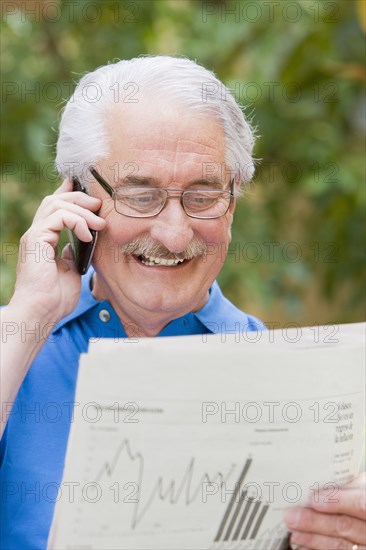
(217, 315)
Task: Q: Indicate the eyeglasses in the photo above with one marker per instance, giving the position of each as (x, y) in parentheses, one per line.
(146, 202)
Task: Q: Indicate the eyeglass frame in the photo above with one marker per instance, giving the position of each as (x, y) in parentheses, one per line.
(112, 193)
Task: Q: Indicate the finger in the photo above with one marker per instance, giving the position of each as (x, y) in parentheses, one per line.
(82, 199)
(68, 253)
(320, 542)
(337, 525)
(66, 185)
(67, 262)
(349, 499)
(48, 230)
(83, 207)
(75, 201)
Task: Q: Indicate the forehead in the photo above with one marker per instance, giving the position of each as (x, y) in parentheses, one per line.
(165, 141)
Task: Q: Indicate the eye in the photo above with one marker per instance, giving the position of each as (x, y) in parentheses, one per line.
(140, 199)
(200, 201)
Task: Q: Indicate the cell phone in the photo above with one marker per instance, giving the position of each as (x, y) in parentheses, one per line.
(83, 252)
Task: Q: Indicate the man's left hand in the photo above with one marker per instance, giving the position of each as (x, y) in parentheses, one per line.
(333, 520)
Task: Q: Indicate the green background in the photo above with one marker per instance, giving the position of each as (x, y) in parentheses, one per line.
(297, 254)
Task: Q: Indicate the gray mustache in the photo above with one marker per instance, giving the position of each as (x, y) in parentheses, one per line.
(144, 246)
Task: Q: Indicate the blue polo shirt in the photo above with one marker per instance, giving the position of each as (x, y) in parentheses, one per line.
(34, 444)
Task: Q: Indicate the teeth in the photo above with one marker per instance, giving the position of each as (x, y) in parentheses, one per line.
(150, 260)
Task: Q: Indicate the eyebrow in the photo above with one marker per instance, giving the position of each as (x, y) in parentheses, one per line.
(209, 181)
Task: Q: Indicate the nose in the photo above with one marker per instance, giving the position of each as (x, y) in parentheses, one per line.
(172, 227)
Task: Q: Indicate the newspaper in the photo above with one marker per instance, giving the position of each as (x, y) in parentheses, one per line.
(203, 441)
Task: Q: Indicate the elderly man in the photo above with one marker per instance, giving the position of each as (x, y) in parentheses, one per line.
(162, 149)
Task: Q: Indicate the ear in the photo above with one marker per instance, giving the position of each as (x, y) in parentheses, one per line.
(232, 206)
(230, 212)
(230, 215)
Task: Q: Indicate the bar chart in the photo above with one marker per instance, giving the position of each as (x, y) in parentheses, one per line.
(243, 519)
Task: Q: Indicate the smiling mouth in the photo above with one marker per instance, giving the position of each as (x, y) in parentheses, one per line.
(154, 261)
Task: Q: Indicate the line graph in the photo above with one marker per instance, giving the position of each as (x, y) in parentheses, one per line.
(173, 490)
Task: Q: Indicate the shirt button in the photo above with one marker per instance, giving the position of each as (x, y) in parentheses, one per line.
(104, 315)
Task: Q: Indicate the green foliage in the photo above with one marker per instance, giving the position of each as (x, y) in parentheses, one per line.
(297, 252)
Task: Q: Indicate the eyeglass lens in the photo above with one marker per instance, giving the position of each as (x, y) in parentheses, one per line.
(142, 202)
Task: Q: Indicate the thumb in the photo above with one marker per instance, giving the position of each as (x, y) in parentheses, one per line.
(68, 257)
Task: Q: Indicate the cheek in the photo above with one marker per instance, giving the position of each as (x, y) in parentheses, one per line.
(217, 238)
(121, 230)
(219, 231)
(109, 243)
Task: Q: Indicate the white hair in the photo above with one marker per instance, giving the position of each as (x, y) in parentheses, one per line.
(83, 134)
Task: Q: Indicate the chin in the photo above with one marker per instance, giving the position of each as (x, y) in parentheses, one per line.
(165, 302)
